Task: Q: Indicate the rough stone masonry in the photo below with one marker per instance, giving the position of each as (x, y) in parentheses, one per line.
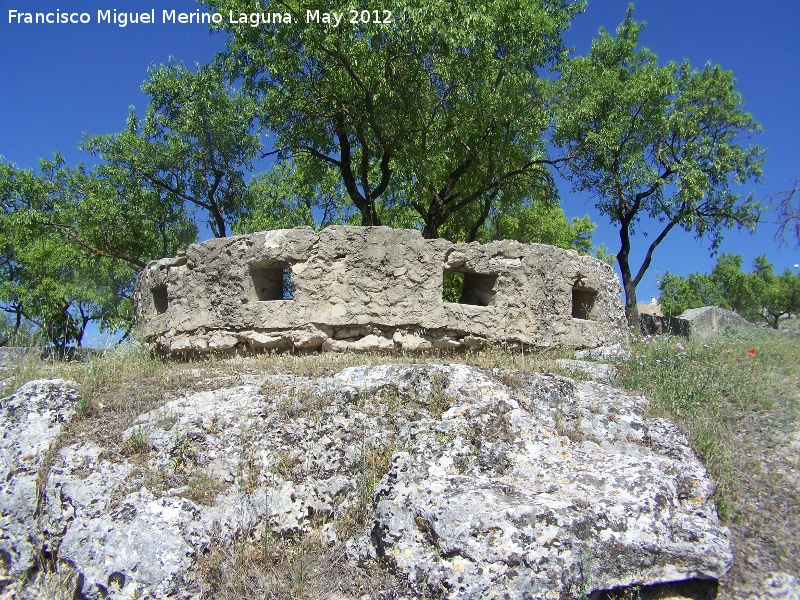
(375, 288)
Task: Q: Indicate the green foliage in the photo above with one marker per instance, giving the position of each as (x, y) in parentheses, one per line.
(76, 237)
(452, 286)
(658, 142)
(679, 293)
(540, 222)
(714, 390)
(15, 331)
(736, 289)
(779, 295)
(192, 147)
(55, 285)
(290, 194)
(726, 286)
(758, 295)
(73, 241)
(440, 111)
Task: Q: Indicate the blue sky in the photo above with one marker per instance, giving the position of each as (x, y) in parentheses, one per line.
(61, 81)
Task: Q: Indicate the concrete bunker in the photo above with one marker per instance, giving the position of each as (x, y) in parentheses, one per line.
(375, 288)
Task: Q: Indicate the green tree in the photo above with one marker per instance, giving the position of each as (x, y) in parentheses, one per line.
(294, 193)
(49, 285)
(540, 222)
(193, 146)
(15, 331)
(666, 143)
(736, 290)
(727, 286)
(680, 293)
(779, 295)
(441, 109)
(73, 242)
(760, 295)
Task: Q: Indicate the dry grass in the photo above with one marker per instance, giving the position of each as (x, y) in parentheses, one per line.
(291, 569)
(737, 396)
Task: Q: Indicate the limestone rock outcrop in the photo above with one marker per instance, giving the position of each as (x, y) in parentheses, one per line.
(499, 482)
(375, 288)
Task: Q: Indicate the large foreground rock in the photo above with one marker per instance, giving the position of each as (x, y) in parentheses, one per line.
(30, 421)
(534, 486)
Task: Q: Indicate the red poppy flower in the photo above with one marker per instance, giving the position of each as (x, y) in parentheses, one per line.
(752, 352)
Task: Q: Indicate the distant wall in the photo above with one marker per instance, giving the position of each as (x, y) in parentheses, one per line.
(705, 321)
(656, 325)
(694, 323)
(367, 288)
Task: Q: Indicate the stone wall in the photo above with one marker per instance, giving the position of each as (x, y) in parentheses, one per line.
(708, 320)
(693, 323)
(367, 288)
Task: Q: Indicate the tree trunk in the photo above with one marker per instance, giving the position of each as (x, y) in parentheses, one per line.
(628, 282)
(430, 231)
(369, 216)
(218, 224)
(631, 306)
(12, 336)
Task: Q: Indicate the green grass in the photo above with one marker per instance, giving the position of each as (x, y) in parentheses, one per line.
(741, 380)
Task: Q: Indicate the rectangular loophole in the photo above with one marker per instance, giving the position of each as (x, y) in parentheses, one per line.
(583, 302)
(160, 299)
(272, 283)
(461, 287)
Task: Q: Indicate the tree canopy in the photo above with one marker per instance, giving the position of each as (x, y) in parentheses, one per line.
(439, 115)
(194, 145)
(439, 107)
(71, 247)
(658, 147)
(760, 296)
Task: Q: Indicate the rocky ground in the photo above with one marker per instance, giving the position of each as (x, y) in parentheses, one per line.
(388, 481)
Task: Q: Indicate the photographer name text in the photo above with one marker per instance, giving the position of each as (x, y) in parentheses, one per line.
(173, 17)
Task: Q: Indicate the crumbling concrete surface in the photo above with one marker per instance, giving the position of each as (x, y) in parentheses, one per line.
(375, 288)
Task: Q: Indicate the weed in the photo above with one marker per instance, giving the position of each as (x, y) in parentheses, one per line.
(289, 465)
(438, 401)
(511, 379)
(585, 566)
(203, 488)
(711, 389)
(249, 468)
(137, 443)
(53, 581)
(372, 465)
(183, 456)
(166, 419)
